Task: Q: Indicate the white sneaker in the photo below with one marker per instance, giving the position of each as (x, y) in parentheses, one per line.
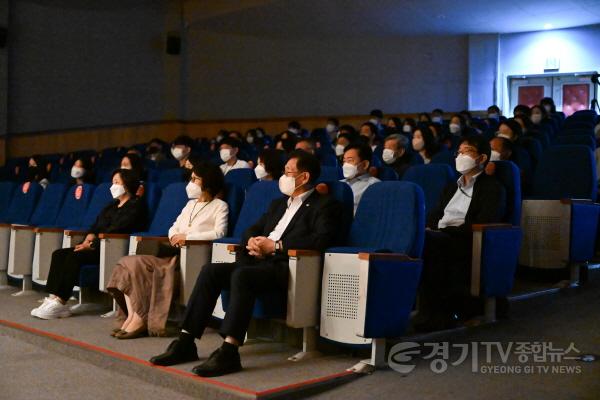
(44, 304)
(53, 310)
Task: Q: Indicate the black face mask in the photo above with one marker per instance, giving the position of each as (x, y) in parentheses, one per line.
(152, 150)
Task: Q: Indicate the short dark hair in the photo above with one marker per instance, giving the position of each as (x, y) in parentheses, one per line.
(480, 143)
(506, 144)
(376, 113)
(364, 150)
(348, 128)
(130, 179)
(335, 121)
(212, 177)
(294, 125)
(183, 140)
(514, 126)
(230, 141)
(310, 141)
(306, 162)
(437, 111)
(273, 160)
(371, 126)
(522, 109)
(494, 108)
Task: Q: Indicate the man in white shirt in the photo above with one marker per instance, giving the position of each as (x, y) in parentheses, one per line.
(357, 159)
(476, 198)
(303, 220)
(228, 150)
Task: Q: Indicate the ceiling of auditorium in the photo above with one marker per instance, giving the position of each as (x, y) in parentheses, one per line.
(300, 18)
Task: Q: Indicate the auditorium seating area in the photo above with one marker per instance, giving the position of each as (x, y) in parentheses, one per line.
(358, 294)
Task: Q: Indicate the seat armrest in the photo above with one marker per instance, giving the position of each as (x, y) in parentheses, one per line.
(576, 201)
(385, 256)
(5, 225)
(113, 235)
(198, 242)
(234, 247)
(72, 232)
(303, 253)
(48, 230)
(152, 238)
(484, 227)
(22, 227)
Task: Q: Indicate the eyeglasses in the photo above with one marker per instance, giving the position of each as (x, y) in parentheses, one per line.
(469, 152)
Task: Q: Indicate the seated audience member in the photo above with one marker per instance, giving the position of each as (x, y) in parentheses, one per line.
(357, 159)
(368, 134)
(126, 214)
(82, 172)
(423, 142)
(254, 138)
(522, 109)
(548, 104)
(395, 154)
(294, 128)
(458, 126)
(494, 113)
(332, 127)
(476, 198)
(144, 285)
(37, 171)
(307, 145)
(155, 150)
(394, 123)
(134, 150)
(424, 118)
(376, 118)
(134, 163)
(408, 126)
(181, 148)
(269, 165)
(228, 150)
(348, 130)
(235, 135)
(539, 115)
(510, 129)
(437, 116)
(261, 267)
(342, 141)
(287, 144)
(502, 149)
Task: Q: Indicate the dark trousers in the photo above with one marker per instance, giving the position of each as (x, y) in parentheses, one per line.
(446, 271)
(244, 282)
(64, 270)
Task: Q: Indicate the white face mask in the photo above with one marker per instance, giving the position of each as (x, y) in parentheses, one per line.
(454, 128)
(493, 116)
(225, 154)
(125, 167)
(407, 129)
(374, 121)
(77, 172)
(294, 130)
(437, 120)
(548, 108)
(330, 128)
(350, 170)
(418, 144)
(250, 139)
(504, 135)
(464, 163)
(495, 156)
(260, 171)
(177, 153)
(287, 185)
(117, 191)
(388, 156)
(536, 118)
(339, 149)
(193, 191)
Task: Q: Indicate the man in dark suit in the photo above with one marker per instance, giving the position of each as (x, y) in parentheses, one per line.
(304, 220)
(476, 198)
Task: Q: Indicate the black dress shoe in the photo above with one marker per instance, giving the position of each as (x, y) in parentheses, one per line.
(220, 362)
(178, 352)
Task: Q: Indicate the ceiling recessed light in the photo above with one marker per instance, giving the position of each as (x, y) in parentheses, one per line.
(547, 26)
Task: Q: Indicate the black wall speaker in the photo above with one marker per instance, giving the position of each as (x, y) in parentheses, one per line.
(3, 34)
(173, 44)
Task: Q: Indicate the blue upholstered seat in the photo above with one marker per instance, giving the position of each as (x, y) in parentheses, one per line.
(6, 194)
(23, 203)
(432, 178)
(243, 178)
(169, 176)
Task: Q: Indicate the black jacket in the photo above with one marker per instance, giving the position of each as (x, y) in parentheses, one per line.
(315, 226)
(129, 218)
(488, 204)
